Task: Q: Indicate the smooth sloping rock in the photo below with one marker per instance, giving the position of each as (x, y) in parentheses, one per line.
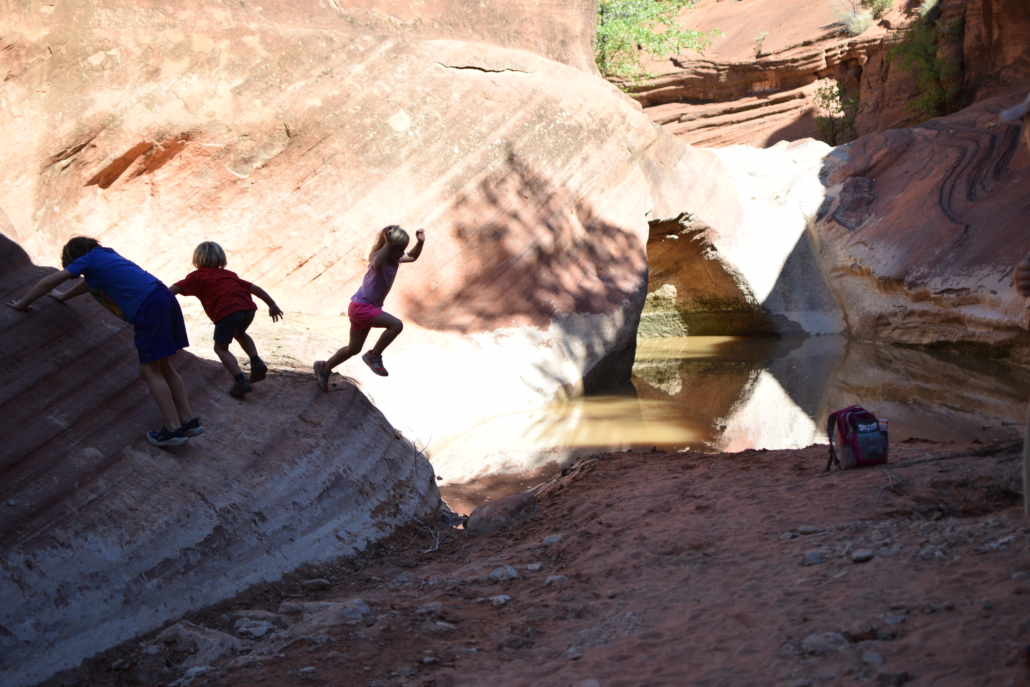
(740, 260)
(921, 229)
(110, 536)
(292, 147)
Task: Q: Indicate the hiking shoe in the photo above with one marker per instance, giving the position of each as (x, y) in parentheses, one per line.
(258, 372)
(375, 363)
(240, 388)
(321, 376)
(167, 437)
(193, 427)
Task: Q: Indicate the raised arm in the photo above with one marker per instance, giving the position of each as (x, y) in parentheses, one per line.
(40, 289)
(416, 250)
(80, 288)
(273, 310)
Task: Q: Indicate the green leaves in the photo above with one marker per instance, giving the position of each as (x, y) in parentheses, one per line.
(923, 54)
(838, 112)
(627, 27)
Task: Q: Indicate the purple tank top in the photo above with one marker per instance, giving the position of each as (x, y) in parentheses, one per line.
(376, 284)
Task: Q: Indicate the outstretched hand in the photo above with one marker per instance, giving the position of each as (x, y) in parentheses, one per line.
(275, 312)
(16, 305)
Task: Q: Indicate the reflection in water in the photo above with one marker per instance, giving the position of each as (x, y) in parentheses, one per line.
(734, 393)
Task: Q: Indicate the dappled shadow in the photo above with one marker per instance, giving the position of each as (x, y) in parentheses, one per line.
(530, 251)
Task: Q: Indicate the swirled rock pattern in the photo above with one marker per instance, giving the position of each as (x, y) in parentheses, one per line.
(921, 229)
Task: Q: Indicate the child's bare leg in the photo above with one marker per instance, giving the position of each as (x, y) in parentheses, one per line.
(155, 379)
(393, 328)
(178, 389)
(357, 341)
(227, 358)
(247, 344)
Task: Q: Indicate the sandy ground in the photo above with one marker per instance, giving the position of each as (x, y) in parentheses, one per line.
(671, 569)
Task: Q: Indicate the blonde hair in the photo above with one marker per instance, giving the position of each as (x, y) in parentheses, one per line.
(393, 235)
(209, 254)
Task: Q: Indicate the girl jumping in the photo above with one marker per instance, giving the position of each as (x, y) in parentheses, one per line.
(366, 306)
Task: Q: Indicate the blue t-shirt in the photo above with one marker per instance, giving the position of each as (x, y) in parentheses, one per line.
(124, 282)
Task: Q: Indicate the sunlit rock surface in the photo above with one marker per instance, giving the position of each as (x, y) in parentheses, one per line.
(103, 536)
(921, 229)
(756, 84)
(290, 136)
(741, 261)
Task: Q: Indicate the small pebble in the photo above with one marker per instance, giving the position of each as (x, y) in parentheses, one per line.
(873, 659)
(555, 580)
(553, 539)
(505, 572)
(986, 603)
(534, 567)
(499, 600)
(316, 585)
(1019, 576)
(787, 536)
(807, 529)
(812, 558)
(446, 626)
(826, 676)
(948, 606)
(12, 504)
(862, 555)
(308, 671)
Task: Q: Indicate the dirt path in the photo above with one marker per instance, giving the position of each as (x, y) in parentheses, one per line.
(671, 569)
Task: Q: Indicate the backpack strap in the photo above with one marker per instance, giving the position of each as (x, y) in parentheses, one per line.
(830, 422)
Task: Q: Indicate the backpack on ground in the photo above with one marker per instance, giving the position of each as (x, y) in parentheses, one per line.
(863, 438)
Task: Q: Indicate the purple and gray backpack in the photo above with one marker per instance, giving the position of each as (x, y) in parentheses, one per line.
(863, 438)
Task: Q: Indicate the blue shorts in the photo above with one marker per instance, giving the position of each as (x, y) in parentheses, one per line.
(160, 329)
(229, 326)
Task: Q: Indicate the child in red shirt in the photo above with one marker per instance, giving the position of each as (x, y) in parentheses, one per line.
(226, 300)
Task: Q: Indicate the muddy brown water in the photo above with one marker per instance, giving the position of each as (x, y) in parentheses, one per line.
(735, 393)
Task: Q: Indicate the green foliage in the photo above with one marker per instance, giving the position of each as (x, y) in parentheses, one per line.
(838, 113)
(938, 75)
(625, 27)
(878, 7)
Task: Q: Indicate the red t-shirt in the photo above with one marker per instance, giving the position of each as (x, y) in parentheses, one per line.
(220, 291)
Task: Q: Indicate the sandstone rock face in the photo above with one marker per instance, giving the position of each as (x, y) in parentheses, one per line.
(755, 85)
(921, 229)
(291, 138)
(103, 536)
(742, 262)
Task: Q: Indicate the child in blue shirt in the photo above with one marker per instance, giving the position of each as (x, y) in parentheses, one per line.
(142, 300)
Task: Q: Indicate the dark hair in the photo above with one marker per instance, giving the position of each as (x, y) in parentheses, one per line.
(76, 248)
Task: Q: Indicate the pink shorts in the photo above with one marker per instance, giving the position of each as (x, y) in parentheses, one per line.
(362, 314)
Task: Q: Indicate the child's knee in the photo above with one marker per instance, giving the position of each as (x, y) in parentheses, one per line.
(221, 347)
(399, 327)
